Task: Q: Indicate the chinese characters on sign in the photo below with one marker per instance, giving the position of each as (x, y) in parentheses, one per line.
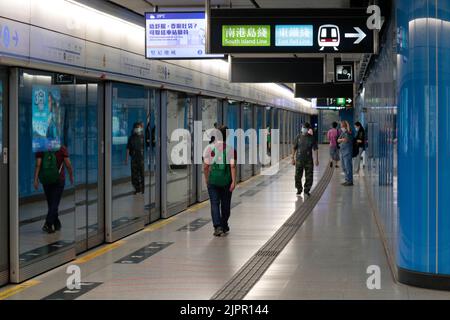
(176, 35)
(294, 35)
(246, 36)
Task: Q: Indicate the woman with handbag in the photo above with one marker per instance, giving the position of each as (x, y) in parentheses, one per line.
(220, 175)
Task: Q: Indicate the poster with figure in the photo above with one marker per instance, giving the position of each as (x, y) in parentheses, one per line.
(47, 116)
(119, 125)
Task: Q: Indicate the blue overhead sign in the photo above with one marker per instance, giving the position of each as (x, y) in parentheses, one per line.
(294, 35)
(176, 35)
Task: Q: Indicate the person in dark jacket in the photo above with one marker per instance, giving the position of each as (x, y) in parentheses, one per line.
(135, 148)
(360, 140)
(304, 147)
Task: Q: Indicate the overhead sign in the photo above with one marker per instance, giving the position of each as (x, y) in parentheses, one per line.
(332, 103)
(62, 78)
(246, 36)
(294, 35)
(290, 31)
(176, 35)
(344, 72)
(325, 90)
(264, 70)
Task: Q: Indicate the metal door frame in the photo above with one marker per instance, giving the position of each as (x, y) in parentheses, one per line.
(110, 234)
(165, 211)
(4, 275)
(92, 241)
(193, 179)
(155, 213)
(18, 273)
(244, 177)
(203, 195)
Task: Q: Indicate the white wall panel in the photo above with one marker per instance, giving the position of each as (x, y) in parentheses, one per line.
(65, 33)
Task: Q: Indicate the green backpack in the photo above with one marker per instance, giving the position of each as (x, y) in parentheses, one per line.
(49, 173)
(220, 174)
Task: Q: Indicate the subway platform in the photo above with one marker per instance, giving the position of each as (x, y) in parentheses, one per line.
(326, 256)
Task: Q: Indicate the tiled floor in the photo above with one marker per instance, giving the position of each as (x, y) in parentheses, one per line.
(327, 258)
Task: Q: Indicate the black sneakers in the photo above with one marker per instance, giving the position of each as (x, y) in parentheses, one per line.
(48, 228)
(299, 193)
(218, 232)
(57, 225)
(307, 194)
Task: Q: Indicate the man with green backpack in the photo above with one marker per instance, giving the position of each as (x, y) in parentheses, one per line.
(220, 175)
(49, 171)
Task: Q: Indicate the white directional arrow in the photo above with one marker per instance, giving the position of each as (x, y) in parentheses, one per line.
(349, 100)
(360, 35)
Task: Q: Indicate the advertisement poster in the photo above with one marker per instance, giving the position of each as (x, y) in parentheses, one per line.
(47, 120)
(176, 35)
(119, 125)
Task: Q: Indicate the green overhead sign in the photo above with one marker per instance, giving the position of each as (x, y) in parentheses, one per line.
(340, 101)
(246, 36)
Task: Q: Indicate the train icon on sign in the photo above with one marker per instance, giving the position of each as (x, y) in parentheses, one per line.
(329, 36)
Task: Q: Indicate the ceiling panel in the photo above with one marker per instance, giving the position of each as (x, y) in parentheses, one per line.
(141, 6)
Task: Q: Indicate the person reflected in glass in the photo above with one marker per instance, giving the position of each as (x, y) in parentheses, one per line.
(135, 150)
(360, 140)
(49, 171)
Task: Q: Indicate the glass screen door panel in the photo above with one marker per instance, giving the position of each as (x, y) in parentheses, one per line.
(247, 167)
(4, 241)
(232, 121)
(209, 108)
(152, 134)
(259, 115)
(180, 177)
(129, 116)
(46, 124)
(85, 160)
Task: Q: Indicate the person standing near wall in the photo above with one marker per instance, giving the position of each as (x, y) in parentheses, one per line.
(346, 146)
(361, 143)
(50, 172)
(135, 149)
(333, 136)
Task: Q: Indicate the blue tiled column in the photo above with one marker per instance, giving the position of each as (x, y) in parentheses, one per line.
(423, 68)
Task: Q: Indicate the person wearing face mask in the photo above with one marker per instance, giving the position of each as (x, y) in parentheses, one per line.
(302, 159)
(346, 146)
(360, 139)
(135, 150)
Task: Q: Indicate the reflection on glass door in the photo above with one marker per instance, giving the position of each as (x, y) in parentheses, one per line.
(85, 161)
(247, 167)
(231, 116)
(129, 155)
(4, 242)
(152, 142)
(209, 112)
(259, 115)
(47, 221)
(59, 211)
(180, 176)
